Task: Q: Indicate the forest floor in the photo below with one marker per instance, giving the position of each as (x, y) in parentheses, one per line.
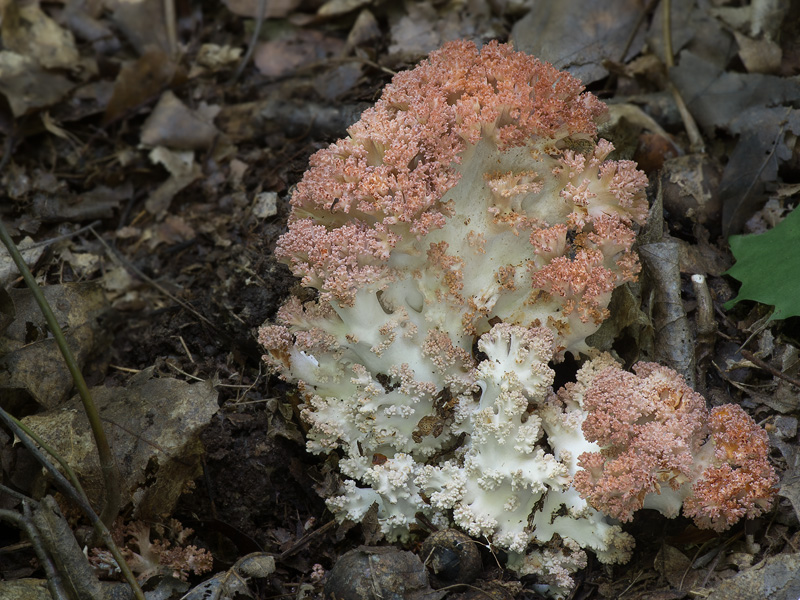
(147, 165)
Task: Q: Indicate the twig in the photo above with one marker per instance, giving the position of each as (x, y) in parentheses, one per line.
(108, 464)
(261, 11)
(133, 269)
(304, 540)
(65, 236)
(54, 584)
(169, 23)
(695, 139)
(14, 493)
(768, 367)
(186, 348)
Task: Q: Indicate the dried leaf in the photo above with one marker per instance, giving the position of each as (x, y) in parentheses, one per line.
(675, 567)
(757, 17)
(174, 125)
(695, 30)
(578, 35)
(27, 86)
(28, 31)
(31, 363)
(142, 22)
(139, 82)
(153, 427)
(424, 28)
(333, 8)
(215, 57)
(60, 544)
(759, 56)
(336, 82)
(674, 343)
(98, 203)
(8, 269)
(767, 138)
(775, 578)
(277, 58)
(183, 171)
(364, 29)
(716, 97)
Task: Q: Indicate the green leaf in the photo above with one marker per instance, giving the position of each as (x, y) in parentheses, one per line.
(768, 265)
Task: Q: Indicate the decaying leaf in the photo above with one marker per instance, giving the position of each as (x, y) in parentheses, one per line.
(98, 203)
(716, 97)
(372, 572)
(759, 56)
(143, 22)
(790, 481)
(693, 29)
(774, 578)
(183, 170)
(628, 322)
(28, 31)
(138, 82)
(175, 125)
(153, 427)
(674, 344)
(25, 589)
(423, 27)
(63, 548)
(767, 139)
(275, 9)
(27, 86)
(332, 8)
(216, 57)
(578, 35)
(280, 57)
(30, 254)
(757, 17)
(675, 567)
(754, 106)
(30, 362)
(232, 584)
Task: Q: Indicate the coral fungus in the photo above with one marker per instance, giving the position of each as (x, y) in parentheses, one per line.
(466, 234)
(660, 449)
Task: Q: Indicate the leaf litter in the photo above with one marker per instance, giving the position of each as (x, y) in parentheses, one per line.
(147, 190)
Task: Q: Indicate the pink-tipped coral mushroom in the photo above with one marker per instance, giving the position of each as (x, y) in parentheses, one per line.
(660, 449)
(467, 232)
(429, 196)
(738, 480)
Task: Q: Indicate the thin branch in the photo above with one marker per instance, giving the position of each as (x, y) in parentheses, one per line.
(261, 12)
(769, 368)
(695, 139)
(133, 269)
(170, 23)
(54, 583)
(72, 234)
(15, 494)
